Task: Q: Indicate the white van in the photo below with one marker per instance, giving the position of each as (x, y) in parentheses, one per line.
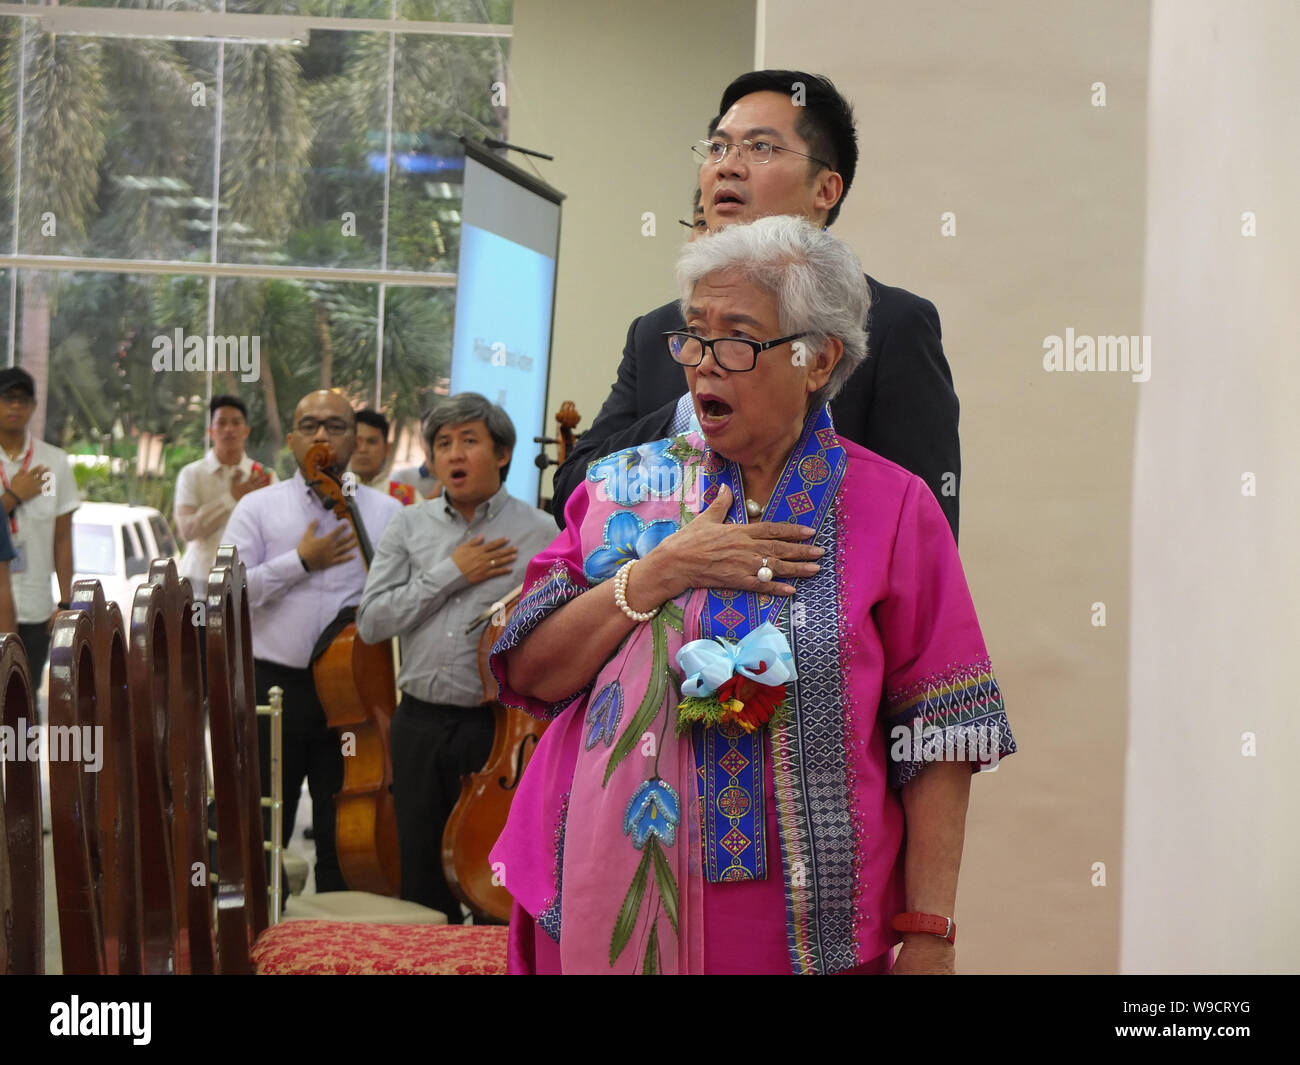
(114, 543)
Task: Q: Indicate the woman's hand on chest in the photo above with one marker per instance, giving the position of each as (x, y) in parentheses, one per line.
(712, 553)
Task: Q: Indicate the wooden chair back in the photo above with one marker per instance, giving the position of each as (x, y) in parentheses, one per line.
(167, 726)
(148, 669)
(22, 858)
(185, 766)
(94, 816)
(242, 911)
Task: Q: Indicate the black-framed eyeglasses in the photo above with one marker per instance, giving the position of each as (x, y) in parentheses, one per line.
(333, 426)
(759, 152)
(733, 354)
(699, 223)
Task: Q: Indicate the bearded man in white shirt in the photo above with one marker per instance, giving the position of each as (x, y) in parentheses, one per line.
(303, 569)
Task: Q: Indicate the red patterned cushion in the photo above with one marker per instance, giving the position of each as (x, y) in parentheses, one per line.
(343, 948)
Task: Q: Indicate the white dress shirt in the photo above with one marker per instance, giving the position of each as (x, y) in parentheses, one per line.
(29, 574)
(290, 607)
(203, 489)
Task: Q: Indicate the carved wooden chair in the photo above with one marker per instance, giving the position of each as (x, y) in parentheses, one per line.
(167, 729)
(22, 889)
(248, 938)
(131, 841)
(94, 816)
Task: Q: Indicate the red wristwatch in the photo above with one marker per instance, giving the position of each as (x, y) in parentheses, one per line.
(943, 927)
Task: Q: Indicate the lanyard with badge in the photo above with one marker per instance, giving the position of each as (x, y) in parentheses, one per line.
(19, 562)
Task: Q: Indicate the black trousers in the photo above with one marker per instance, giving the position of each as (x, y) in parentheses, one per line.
(434, 745)
(36, 639)
(309, 749)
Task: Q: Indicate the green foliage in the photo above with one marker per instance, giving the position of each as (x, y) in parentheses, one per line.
(66, 99)
(115, 480)
(666, 880)
(625, 923)
(120, 147)
(651, 702)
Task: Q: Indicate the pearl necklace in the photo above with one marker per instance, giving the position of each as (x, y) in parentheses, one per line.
(752, 509)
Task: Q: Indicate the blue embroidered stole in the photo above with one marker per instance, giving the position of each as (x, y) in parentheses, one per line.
(728, 760)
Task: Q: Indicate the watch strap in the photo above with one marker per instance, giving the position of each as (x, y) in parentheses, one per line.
(932, 923)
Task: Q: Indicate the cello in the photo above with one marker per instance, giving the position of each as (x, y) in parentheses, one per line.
(480, 813)
(358, 691)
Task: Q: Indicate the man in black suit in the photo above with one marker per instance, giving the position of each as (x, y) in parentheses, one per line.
(784, 142)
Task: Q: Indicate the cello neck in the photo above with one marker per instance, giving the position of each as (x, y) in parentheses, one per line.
(358, 526)
(337, 492)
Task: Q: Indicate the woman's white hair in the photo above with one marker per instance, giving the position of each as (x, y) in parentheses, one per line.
(816, 279)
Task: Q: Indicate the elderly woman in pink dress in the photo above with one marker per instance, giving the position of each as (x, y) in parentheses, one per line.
(765, 676)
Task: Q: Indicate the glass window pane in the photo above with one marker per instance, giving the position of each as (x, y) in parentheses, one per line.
(4, 317)
(9, 42)
(162, 536)
(117, 142)
(417, 351)
(444, 88)
(294, 337)
(303, 181)
(92, 548)
(319, 8)
(207, 5)
(100, 347)
(499, 12)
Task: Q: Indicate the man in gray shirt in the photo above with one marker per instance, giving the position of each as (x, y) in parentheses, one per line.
(441, 564)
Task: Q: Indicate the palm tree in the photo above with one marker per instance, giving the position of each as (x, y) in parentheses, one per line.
(117, 155)
(65, 98)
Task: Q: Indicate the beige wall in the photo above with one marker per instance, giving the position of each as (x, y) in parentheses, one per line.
(1210, 843)
(985, 110)
(617, 93)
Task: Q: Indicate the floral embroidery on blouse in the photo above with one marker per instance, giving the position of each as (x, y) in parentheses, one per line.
(603, 714)
(626, 538)
(649, 471)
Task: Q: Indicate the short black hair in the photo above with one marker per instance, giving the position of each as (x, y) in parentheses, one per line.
(825, 120)
(217, 402)
(472, 407)
(375, 420)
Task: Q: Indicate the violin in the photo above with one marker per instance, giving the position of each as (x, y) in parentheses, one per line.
(357, 688)
(480, 813)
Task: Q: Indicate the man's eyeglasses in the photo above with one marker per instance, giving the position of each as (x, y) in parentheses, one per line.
(715, 151)
(333, 426)
(734, 354)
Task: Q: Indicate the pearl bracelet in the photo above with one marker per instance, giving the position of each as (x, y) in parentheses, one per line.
(620, 594)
